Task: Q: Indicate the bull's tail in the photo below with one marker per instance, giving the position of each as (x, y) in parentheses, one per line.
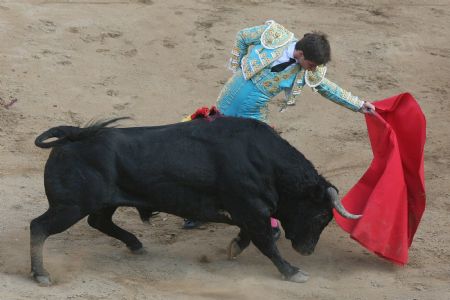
(65, 134)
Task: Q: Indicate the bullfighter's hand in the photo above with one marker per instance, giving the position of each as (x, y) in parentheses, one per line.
(367, 108)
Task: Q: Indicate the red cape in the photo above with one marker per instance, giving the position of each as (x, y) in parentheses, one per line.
(391, 194)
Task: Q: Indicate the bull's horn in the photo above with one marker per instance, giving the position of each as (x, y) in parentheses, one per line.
(338, 205)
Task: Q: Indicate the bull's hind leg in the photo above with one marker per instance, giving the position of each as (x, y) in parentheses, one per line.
(54, 221)
(238, 244)
(102, 220)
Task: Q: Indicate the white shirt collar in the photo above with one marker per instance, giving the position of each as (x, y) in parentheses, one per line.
(291, 49)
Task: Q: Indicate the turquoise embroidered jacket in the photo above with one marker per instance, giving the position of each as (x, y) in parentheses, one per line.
(256, 48)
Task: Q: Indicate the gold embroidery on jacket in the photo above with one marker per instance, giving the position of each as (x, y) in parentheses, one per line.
(275, 36)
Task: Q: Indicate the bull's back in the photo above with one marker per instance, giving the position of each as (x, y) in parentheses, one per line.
(197, 154)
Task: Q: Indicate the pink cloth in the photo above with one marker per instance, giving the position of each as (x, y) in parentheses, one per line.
(273, 222)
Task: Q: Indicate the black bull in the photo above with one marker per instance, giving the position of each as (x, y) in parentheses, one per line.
(230, 170)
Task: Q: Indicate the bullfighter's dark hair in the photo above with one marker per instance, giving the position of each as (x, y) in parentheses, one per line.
(315, 47)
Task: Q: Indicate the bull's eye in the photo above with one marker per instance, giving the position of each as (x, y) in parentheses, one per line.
(322, 217)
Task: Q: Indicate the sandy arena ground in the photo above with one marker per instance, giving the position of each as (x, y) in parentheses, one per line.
(71, 61)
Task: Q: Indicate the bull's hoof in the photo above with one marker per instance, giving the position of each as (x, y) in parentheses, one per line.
(233, 249)
(299, 277)
(135, 247)
(42, 280)
(138, 251)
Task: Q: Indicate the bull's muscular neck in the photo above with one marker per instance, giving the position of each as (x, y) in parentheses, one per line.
(296, 176)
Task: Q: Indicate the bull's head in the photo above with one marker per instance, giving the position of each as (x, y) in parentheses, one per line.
(304, 226)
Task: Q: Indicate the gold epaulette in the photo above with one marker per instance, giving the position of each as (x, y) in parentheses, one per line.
(275, 36)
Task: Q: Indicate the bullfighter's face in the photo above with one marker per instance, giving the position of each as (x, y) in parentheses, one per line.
(304, 63)
(311, 217)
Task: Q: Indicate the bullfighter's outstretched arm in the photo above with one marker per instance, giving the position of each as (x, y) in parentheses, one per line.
(319, 83)
(335, 93)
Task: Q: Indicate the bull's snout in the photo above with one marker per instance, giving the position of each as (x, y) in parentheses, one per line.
(303, 250)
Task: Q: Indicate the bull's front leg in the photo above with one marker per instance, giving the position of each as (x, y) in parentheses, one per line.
(263, 240)
(238, 244)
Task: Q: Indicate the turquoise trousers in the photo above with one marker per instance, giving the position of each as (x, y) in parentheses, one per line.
(242, 98)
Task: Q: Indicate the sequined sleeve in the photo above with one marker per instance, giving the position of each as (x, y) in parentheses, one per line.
(244, 38)
(333, 92)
